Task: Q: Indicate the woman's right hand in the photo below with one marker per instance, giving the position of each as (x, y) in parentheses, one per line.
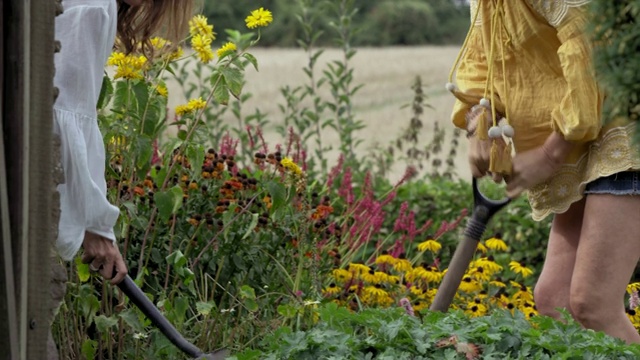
(479, 153)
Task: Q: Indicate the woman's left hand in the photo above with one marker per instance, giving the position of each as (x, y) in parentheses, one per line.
(536, 166)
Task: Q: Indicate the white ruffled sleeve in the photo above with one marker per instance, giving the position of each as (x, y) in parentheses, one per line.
(86, 31)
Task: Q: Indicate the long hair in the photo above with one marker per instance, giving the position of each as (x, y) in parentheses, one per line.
(138, 24)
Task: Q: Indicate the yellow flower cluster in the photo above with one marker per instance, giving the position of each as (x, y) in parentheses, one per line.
(190, 107)
(259, 18)
(127, 66)
(288, 164)
(389, 280)
(226, 49)
(161, 45)
(202, 36)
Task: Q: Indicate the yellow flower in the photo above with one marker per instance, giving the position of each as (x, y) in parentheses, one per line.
(402, 265)
(202, 46)
(488, 264)
(416, 290)
(162, 90)
(341, 275)
(475, 309)
(496, 243)
(634, 316)
(182, 110)
(358, 268)
(392, 279)
(291, 166)
(479, 273)
(633, 287)
(197, 104)
(370, 277)
(259, 18)
(226, 49)
(375, 291)
(529, 312)
(331, 290)
(159, 43)
(116, 58)
(386, 259)
(497, 283)
(519, 269)
(128, 66)
(419, 305)
(199, 25)
(469, 285)
(482, 248)
(431, 245)
(177, 54)
(428, 274)
(190, 107)
(523, 294)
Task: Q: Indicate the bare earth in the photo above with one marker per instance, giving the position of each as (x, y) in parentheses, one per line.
(387, 75)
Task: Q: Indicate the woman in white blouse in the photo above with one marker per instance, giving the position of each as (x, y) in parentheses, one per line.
(87, 30)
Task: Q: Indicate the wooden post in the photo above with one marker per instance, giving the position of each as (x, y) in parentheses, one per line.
(27, 121)
(39, 227)
(14, 92)
(8, 320)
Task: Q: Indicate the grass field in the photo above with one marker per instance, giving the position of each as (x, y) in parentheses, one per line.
(387, 75)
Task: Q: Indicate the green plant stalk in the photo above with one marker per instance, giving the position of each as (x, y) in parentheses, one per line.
(188, 137)
(172, 232)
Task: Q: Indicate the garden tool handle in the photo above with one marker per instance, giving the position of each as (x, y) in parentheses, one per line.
(483, 210)
(138, 298)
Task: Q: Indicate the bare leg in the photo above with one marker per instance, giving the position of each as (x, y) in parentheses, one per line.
(552, 288)
(606, 258)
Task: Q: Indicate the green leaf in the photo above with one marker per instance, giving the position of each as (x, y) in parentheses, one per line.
(177, 259)
(121, 97)
(252, 226)
(131, 318)
(141, 92)
(84, 274)
(251, 305)
(204, 308)
(247, 292)
(234, 80)
(105, 94)
(89, 349)
(287, 310)
(104, 323)
(220, 90)
(168, 202)
(182, 134)
(252, 59)
(278, 194)
(195, 154)
(144, 153)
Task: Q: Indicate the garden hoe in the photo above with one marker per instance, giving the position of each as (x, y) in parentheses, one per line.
(137, 297)
(483, 210)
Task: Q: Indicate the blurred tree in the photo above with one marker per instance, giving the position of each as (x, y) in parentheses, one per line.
(382, 22)
(616, 32)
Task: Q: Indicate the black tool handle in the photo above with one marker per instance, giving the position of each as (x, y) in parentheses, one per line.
(483, 210)
(137, 297)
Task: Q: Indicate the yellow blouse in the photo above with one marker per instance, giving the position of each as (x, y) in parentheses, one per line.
(550, 86)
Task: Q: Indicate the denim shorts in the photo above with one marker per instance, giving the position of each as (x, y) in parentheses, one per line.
(622, 183)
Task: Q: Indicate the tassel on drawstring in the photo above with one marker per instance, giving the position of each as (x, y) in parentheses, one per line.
(482, 128)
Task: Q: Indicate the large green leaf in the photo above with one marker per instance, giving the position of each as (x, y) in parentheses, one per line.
(169, 202)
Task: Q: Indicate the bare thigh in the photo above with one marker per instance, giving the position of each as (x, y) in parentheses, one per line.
(609, 249)
(553, 285)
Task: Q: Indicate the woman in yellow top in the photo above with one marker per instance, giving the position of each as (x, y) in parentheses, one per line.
(525, 84)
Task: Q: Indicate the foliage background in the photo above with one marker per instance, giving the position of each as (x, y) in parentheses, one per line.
(379, 23)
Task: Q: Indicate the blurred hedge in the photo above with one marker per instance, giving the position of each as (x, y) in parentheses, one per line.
(380, 23)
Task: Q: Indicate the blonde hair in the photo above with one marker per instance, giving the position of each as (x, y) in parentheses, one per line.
(138, 24)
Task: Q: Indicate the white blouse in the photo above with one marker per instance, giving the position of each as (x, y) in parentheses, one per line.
(87, 31)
